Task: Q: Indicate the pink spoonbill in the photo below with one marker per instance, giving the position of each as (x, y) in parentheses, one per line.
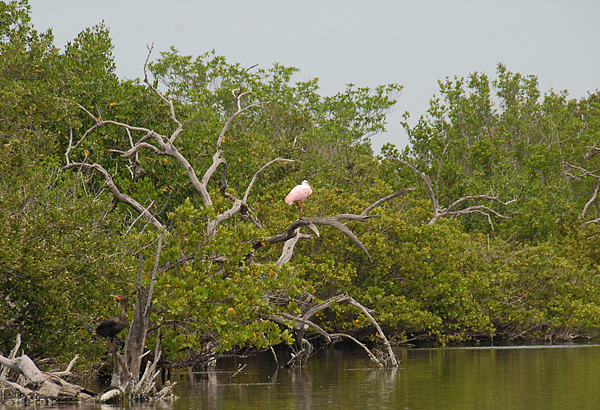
(298, 194)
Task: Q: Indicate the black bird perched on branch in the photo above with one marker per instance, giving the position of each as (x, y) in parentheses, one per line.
(111, 327)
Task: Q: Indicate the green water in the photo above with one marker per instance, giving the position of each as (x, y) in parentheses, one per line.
(558, 377)
(539, 377)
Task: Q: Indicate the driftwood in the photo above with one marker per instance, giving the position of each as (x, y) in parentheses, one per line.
(240, 368)
(35, 385)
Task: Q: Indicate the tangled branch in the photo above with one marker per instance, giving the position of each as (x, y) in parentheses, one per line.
(452, 210)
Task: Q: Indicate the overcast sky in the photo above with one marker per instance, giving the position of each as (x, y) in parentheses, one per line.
(349, 41)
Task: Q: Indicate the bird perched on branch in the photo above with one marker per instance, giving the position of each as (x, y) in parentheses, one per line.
(298, 194)
(111, 327)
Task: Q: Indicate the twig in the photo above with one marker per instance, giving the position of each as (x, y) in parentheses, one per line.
(261, 170)
(274, 354)
(140, 215)
(386, 198)
(240, 368)
(365, 348)
(67, 371)
(440, 212)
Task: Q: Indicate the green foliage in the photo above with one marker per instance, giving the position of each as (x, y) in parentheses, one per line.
(329, 137)
(503, 137)
(59, 258)
(68, 245)
(58, 264)
(217, 298)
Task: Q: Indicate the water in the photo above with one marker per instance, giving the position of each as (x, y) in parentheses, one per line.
(534, 377)
(538, 377)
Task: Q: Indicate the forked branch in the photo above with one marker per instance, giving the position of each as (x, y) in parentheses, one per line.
(162, 145)
(452, 209)
(582, 173)
(300, 322)
(293, 230)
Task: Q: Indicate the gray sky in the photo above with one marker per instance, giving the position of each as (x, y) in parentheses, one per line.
(348, 41)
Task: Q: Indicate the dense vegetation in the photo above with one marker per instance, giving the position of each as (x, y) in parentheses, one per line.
(526, 268)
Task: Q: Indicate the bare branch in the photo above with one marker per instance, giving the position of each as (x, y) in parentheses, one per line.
(585, 173)
(324, 305)
(240, 368)
(387, 198)
(426, 181)
(365, 348)
(302, 321)
(162, 97)
(592, 152)
(11, 356)
(154, 273)
(100, 123)
(288, 247)
(268, 164)
(230, 212)
(329, 337)
(166, 148)
(440, 164)
(440, 212)
(217, 160)
(291, 235)
(307, 322)
(335, 222)
(590, 201)
(67, 371)
(469, 197)
(288, 234)
(136, 148)
(380, 332)
(116, 192)
(593, 221)
(146, 210)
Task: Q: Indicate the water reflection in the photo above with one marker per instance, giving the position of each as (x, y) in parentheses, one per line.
(503, 378)
(538, 377)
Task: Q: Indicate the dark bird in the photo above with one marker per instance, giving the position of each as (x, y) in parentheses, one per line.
(111, 327)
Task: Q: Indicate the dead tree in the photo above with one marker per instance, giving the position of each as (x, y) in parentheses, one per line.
(126, 381)
(126, 377)
(127, 369)
(453, 210)
(163, 145)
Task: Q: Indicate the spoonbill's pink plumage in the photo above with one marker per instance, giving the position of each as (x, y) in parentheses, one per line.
(298, 194)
